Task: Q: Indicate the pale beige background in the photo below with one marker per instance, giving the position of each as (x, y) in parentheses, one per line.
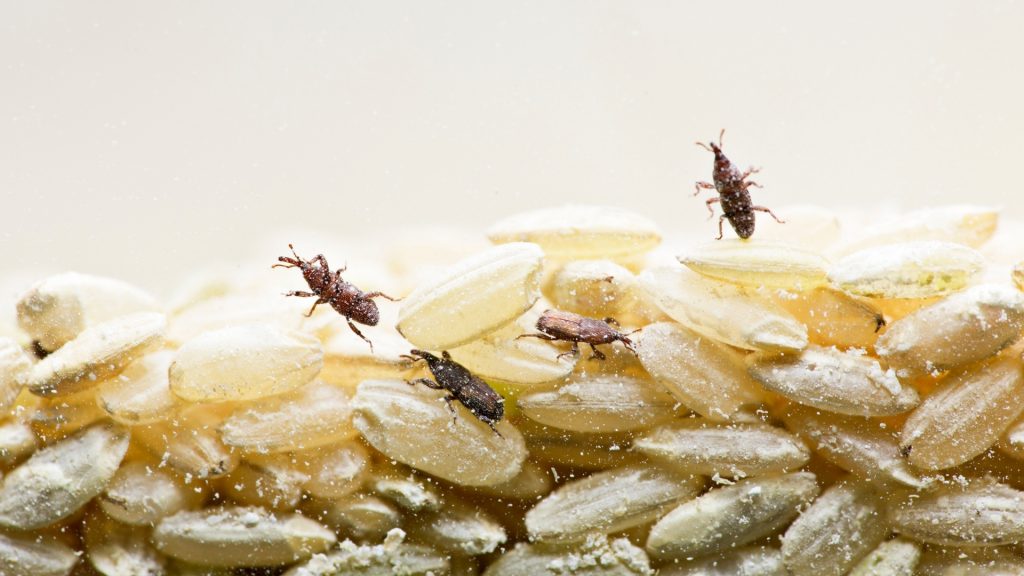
(141, 139)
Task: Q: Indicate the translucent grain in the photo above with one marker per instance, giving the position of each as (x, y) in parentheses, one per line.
(473, 298)
(969, 562)
(232, 310)
(116, 549)
(348, 360)
(594, 288)
(962, 328)
(33, 556)
(893, 558)
(408, 492)
(16, 441)
(594, 556)
(532, 482)
(734, 450)
(244, 363)
(273, 482)
(61, 478)
(335, 471)
(556, 447)
(61, 416)
(502, 357)
(97, 353)
(412, 425)
(722, 311)
(839, 528)
(834, 318)
(580, 232)
(240, 536)
(751, 561)
(393, 557)
(141, 494)
(57, 309)
(962, 223)
(706, 376)
(609, 501)
(1018, 275)
(460, 529)
(189, 441)
(361, 516)
(709, 524)
(15, 367)
(312, 416)
(600, 403)
(966, 415)
(141, 394)
(858, 445)
(827, 378)
(907, 270)
(981, 513)
(758, 263)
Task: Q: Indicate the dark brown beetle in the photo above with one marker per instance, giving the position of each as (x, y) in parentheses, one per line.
(486, 404)
(731, 186)
(570, 327)
(329, 288)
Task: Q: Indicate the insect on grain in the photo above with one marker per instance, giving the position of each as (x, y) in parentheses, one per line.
(731, 186)
(557, 325)
(487, 405)
(329, 288)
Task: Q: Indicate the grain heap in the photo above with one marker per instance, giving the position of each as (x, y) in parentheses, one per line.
(797, 405)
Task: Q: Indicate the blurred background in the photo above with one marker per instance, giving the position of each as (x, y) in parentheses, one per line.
(144, 140)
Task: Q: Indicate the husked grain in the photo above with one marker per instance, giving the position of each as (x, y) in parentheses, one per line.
(394, 556)
(965, 224)
(61, 478)
(980, 513)
(969, 562)
(502, 356)
(16, 441)
(231, 310)
(867, 448)
(834, 318)
(594, 288)
(907, 270)
(580, 232)
(893, 558)
(596, 555)
(750, 561)
(61, 416)
(273, 482)
(59, 308)
(759, 263)
(727, 450)
(532, 482)
(557, 447)
(609, 501)
(361, 516)
(412, 425)
(240, 536)
(189, 442)
(99, 352)
(1018, 275)
(15, 367)
(723, 312)
(141, 394)
(849, 382)
(965, 416)
(602, 403)
(335, 471)
(315, 415)
(707, 377)
(460, 529)
(709, 524)
(839, 528)
(408, 492)
(348, 360)
(33, 556)
(116, 549)
(473, 298)
(962, 328)
(142, 494)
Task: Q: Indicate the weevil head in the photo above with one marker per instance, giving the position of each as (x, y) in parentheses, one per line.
(430, 358)
(365, 311)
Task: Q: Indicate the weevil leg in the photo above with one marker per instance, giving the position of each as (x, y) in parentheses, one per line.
(574, 351)
(698, 186)
(382, 295)
(538, 335)
(629, 344)
(315, 304)
(358, 333)
(299, 293)
(426, 382)
(288, 263)
(491, 424)
(597, 354)
(750, 183)
(720, 136)
(322, 261)
(768, 210)
(751, 170)
(711, 211)
(721, 219)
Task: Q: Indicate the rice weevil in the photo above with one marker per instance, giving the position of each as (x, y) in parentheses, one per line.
(476, 395)
(570, 327)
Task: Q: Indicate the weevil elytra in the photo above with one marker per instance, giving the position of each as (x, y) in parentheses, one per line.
(328, 288)
(476, 395)
(571, 327)
(731, 186)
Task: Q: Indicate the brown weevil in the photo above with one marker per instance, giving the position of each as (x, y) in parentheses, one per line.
(569, 327)
(329, 288)
(731, 186)
(476, 395)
